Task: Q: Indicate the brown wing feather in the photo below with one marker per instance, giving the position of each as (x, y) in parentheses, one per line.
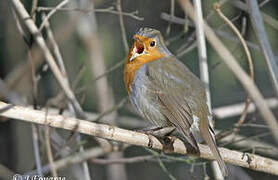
(181, 95)
(173, 90)
(179, 115)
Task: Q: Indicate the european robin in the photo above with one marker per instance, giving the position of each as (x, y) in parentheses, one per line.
(166, 92)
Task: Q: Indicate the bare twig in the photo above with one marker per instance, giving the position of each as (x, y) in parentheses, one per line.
(33, 10)
(112, 109)
(230, 61)
(72, 159)
(143, 158)
(55, 46)
(11, 96)
(172, 12)
(52, 12)
(113, 68)
(236, 109)
(36, 149)
(162, 165)
(106, 10)
(258, 25)
(6, 108)
(264, 3)
(119, 8)
(242, 142)
(5, 173)
(123, 160)
(250, 62)
(211, 13)
(250, 161)
(49, 152)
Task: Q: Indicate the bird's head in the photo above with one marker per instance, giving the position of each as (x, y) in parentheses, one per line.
(148, 46)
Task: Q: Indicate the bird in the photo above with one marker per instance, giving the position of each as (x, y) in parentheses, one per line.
(166, 92)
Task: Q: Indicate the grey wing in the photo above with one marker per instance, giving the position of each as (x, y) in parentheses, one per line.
(179, 114)
(172, 89)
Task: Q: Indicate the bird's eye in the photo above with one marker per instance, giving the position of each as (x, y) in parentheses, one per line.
(152, 44)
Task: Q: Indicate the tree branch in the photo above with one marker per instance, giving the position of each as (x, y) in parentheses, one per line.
(250, 161)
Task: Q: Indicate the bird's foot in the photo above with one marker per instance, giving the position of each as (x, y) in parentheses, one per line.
(163, 136)
(158, 131)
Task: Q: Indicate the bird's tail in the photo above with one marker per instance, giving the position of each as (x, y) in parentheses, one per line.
(209, 138)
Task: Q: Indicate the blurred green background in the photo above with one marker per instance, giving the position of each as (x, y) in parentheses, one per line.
(15, 137)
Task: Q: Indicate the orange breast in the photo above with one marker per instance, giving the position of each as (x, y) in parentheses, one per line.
(131, 68)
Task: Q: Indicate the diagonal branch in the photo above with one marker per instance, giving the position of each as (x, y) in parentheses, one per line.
(19, 8)
(250, 161)
(260, 32)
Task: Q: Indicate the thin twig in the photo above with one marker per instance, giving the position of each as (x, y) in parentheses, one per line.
(33, 10)
(119, 8)
(6, 108)
(236, 109)
(233, 141)
(106, 10)
(259, 28)
(256, 126)
(211, 13)
(49, 152)
(250, 63)
(131, 160)
(36, 149)
(264, 3)
(52, 12)
(75, 158)
(55, 46)
(6, 173)
(249, 143)
(172, 12)
(113, 68)
(112, 109)
(161, 164)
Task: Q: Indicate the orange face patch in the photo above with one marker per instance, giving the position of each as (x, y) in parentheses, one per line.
(141, 52)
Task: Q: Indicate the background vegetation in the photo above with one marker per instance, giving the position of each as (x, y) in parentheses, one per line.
(78, 48)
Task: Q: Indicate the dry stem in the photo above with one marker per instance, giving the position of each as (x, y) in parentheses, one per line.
(250, 161)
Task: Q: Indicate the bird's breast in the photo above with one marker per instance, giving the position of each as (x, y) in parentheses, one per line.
(144, 100)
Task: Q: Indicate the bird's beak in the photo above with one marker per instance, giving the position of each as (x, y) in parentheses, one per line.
(133, 56)
(138, 49)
